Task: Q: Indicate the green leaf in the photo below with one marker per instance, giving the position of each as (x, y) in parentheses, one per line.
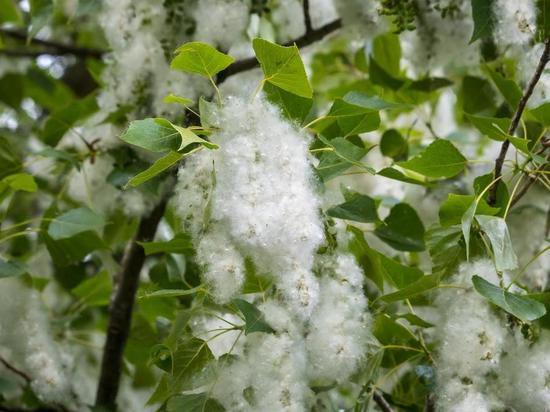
(9, 12)
(484, 21)
(422, 285)
(477, 95)
(358, 207)
(507, 87)
(21, 181)
(521, 307)
(497, 231)
(282, 67)
(378, 75)
(415, 320)
(368, 259)
(10, 162)
(466, 224)
(402, 229)
(62, 120)
(395, 174)
(344, 155)
(253, 317)
(452, 210)
(200, 58)
(542, 112)
(172, 98)
(181, 243)
(73, 222)
(293, 107)
(439, 160)
(386, 50)
(170, 293)
(391, 333)
(496, 129)
(198, 402)
(208, 111)
(349, 117)
(61, 155)
(397, 274)
(429, 84)
(156, 168)
(188, 359)
(11, 269)
(41, 12)
(95, 291)
(394, 145)
(12, 89)
(159, 135)
(446, 249)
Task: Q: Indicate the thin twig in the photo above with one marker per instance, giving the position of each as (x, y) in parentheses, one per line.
(307, 39)
(307, 17)
(381, 402)
(15, 370)
(52, 47)
(544, 58)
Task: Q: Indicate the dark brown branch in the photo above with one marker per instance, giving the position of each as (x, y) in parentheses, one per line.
(15, 370)
(381, 402)
(430, 403)
(120, 313)
(307, 17)
(544, 58)
(51, 47)
(307, 39)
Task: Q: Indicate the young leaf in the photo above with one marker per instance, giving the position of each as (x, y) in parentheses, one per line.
(386, 50)
(497, 231)
(41, 12)
(422, 285)
(197, 402)
(159, 135)
(521, 307)
(180, 243)
(282, 67)
(452, 210)
(496, 128)
(95, 291)
(542, 112)
(254, 318)
(344, 155)
(402, 229)
(394, 145)
(156, 168)
(466, 224)
(9, 12)
(484, 21)
(73, 222)
(172, 98)
(439, 160)
(293, 107)
(507, 87)
(21, 181)
(200, 58)
(395, 174)
(358, 207)
(397, 274)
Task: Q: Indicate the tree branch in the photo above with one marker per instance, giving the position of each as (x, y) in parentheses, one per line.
(307, 39)
(15, 370)
(52, 47)
(544, 58)
(381, 402)
(307, 17)
(120, 313)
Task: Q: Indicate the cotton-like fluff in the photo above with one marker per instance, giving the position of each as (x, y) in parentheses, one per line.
(362, 15)
(471, 340)
(528, 59)
(221, 22)
(525, 374)
(224, 265)
(288, 18)
(26, 341)
(322, 12)
(426, 49)
(338, 328)
(270, 377)
(515, 22)
(264, 196)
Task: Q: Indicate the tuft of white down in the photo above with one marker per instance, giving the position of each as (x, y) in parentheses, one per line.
(26, 341)
(471, 340)
(263, 197)
(339, 332)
